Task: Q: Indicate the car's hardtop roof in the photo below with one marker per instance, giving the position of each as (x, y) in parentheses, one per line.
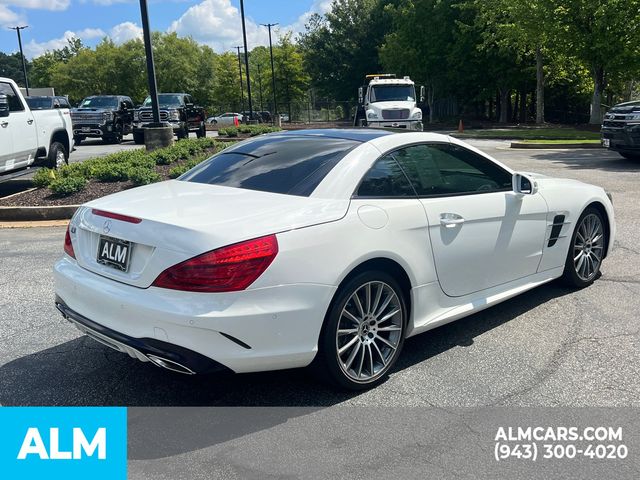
(356, 134)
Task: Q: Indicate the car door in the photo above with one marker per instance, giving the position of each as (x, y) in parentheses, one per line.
(482, 233)
(21, 127)
(6, 145)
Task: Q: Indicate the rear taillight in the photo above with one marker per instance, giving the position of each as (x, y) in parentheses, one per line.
(227, 269)
(68, 246)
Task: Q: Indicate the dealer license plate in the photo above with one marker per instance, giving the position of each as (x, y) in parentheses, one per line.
(114, 252)
(606, 142)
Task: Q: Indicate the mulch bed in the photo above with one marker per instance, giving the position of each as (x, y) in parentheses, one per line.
(44, 197)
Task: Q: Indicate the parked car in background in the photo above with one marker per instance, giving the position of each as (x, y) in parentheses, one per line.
(109, 117)
(284, 117)
(28, 137)
(178, 109)
(621, 129)
(47, 102)
(225, 119)
(265, 116)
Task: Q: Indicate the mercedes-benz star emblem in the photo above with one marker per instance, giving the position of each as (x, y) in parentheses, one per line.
(106, 228)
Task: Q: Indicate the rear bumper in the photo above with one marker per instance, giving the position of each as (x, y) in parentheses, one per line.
(252, 330)
(166, 355)
(625, 138)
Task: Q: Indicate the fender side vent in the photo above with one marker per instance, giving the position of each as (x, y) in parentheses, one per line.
(558, 221)
(235, 340)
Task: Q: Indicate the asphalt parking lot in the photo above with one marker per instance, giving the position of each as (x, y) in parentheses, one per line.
(548, 347)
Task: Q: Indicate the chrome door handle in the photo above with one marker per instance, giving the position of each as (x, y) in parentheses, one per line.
(4, 124)
(30, 121)
(450, 220)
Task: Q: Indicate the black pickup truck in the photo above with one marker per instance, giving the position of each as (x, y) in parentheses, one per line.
(621, 129)
(109, 117)
(177, 109)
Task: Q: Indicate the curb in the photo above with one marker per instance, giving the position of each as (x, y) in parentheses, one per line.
(552, 146)
(32, 214)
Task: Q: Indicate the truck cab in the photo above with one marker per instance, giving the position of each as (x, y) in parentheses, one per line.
(29, 137)
(176, 109)
(389, 102)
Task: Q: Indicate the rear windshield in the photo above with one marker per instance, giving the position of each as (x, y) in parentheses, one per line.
(39, 103)
(277, 164)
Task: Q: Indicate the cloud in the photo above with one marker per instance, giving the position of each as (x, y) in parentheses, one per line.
(124, 32)
(8, 17)
(217, 23)
(35, 49)
(38, 4)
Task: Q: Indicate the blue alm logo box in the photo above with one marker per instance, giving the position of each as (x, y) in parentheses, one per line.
(63, 443)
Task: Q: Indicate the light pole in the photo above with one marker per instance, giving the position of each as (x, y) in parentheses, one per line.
(241, 85)
(273, 72)
(24, 64)
(246, 60)
(157, 134)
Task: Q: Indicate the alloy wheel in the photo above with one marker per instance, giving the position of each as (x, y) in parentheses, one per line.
(588, 247)
(370, 329)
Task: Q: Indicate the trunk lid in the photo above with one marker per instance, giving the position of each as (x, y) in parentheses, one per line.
(183, 219)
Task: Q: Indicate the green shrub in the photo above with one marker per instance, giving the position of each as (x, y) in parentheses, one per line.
(112, 172)
(143, 176)
(43, 177)
(65, 186)
(251, 130)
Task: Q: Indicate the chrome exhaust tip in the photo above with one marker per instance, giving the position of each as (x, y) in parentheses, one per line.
(170, 365)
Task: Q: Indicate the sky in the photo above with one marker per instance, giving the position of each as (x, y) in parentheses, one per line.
(212, 22)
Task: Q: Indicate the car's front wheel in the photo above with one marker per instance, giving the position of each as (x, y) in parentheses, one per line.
(363, 332)
(587, 249)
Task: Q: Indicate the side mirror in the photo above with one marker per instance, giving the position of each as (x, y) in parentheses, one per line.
(524, 184)
(360, 95)
(422, 93)
(4, 106)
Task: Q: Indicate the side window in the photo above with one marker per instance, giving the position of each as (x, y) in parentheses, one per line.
(15, 104)
(443, 169)
(385, 179)
(64, 103)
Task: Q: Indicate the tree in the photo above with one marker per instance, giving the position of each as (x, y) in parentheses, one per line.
(11, 67)
(524, 27)
(341, 47)
(603, 35)
(291, 77)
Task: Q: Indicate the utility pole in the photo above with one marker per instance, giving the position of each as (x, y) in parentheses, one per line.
(24, 64)
(273, 72)
(241, 85)
(246, 60)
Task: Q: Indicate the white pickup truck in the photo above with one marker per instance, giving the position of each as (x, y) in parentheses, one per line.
(39, 137)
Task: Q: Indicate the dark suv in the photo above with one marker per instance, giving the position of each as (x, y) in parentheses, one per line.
(621, 129)
(109, 117)
(177, 109)
(47, 102)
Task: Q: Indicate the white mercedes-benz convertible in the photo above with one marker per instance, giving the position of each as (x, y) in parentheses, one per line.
(321, 246)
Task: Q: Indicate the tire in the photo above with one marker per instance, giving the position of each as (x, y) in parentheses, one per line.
(138, 137)
(202, 131)
(373, 352)
(630, 155)
(58, 156)
(183, 132)
(586, 251)
(78, 140)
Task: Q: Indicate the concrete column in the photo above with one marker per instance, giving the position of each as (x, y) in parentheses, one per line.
(158, 137)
